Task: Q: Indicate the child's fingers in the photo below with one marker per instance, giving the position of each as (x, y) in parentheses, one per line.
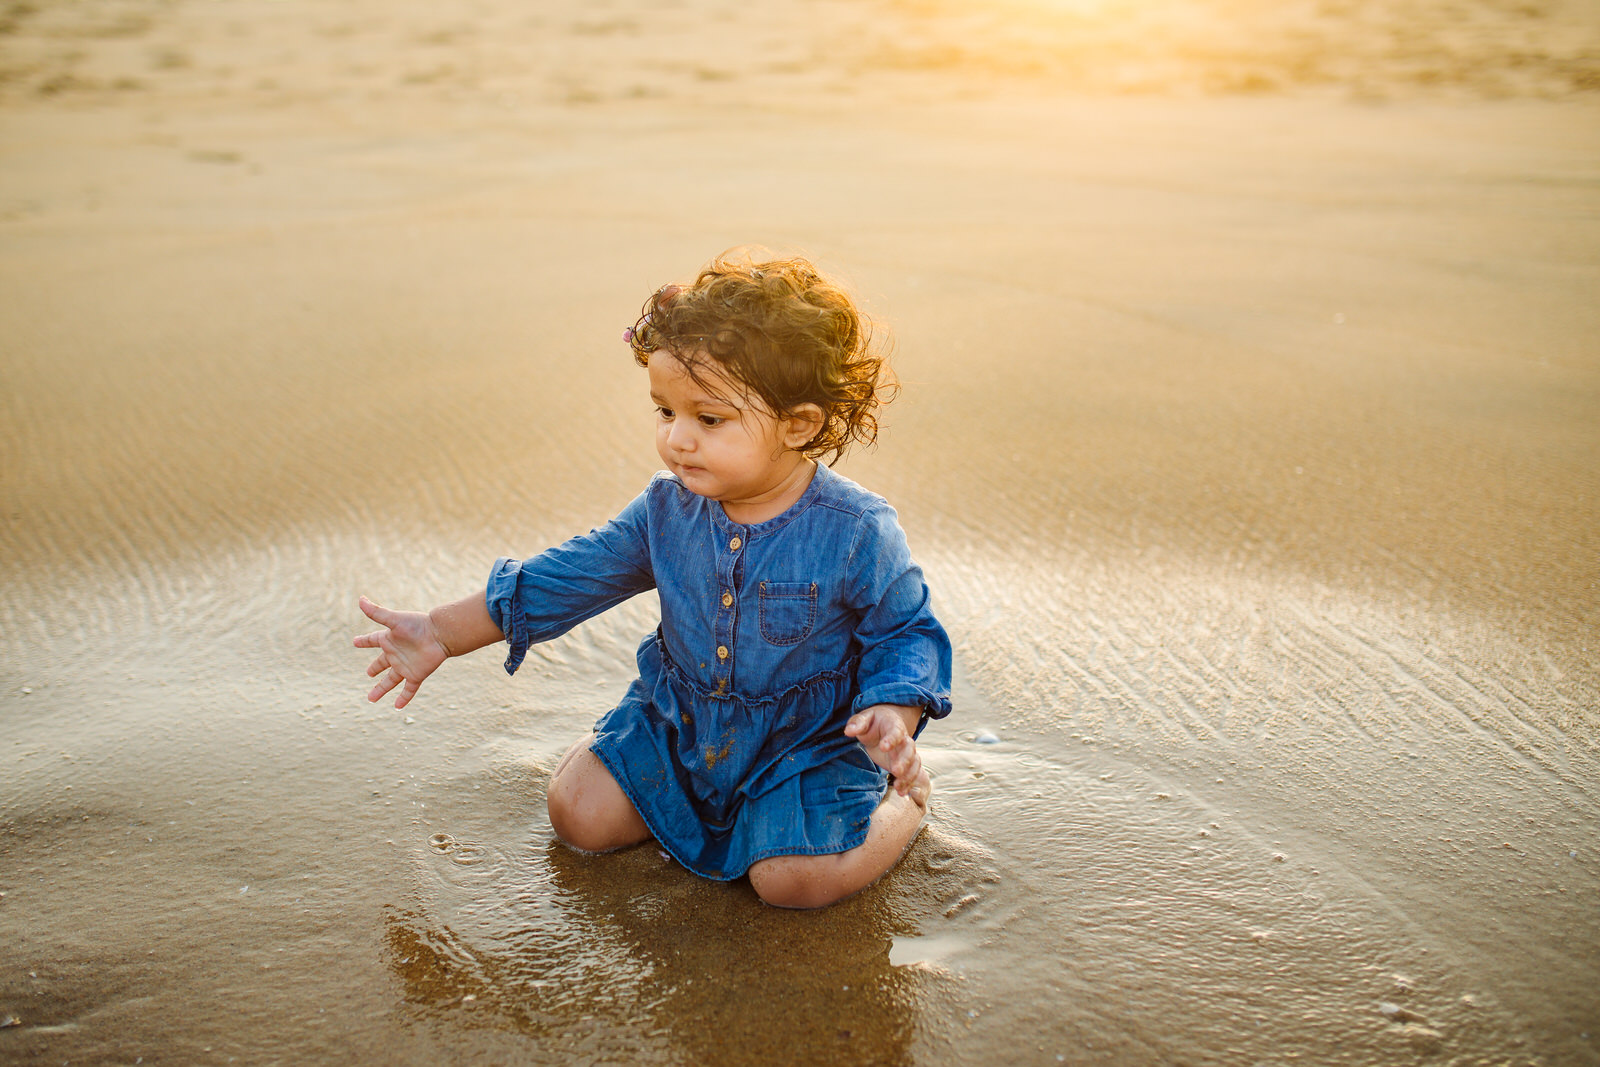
(866, 729)
(407, 691)
(912, 769)
(903, 762)
(377, 665)
(917, 790)
(903, 759)
(376, 612)
(905, 782)
(385, 683)
(894, 735)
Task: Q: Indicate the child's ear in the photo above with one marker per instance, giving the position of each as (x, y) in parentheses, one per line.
(803, 423)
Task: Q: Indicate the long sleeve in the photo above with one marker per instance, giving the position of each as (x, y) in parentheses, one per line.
(905, 653)
(544, 596)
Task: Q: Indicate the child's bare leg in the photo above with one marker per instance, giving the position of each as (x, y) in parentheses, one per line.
(588, 809)
(817, 881)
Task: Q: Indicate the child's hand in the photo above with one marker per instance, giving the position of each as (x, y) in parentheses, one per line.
(411, 651)
(883, 731)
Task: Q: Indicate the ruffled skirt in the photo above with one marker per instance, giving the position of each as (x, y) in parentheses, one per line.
(725, 781)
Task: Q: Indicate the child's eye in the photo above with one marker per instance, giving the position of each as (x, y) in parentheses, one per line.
(711, 420)
(665, 413)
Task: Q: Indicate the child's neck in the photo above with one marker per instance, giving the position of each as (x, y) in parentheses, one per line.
(780, 498)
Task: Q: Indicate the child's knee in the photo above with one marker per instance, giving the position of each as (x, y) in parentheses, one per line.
(588, 810)
(798, 881)
(566, 815)
(574, 821)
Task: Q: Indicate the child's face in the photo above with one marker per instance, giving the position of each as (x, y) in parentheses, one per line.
(718, 440)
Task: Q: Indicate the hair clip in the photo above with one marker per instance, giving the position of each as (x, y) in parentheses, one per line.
(627, 335)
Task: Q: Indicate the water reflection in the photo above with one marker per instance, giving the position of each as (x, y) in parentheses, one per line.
(628, 955)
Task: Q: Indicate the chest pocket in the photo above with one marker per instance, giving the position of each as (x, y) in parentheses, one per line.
(788, 611)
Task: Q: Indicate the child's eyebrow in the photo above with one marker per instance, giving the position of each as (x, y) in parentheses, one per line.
(697, 402)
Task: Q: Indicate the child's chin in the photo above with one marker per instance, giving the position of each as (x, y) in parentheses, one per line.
(696, 480)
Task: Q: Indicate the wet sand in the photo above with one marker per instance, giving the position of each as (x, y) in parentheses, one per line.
(1250, 439)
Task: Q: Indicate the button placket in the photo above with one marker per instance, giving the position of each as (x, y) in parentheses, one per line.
(728, 570)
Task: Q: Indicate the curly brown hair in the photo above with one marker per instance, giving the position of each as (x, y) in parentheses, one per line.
(781, 330)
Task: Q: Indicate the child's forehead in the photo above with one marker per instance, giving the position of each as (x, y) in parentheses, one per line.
(697, 378)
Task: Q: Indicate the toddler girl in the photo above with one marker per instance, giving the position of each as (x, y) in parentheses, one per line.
(797, 658)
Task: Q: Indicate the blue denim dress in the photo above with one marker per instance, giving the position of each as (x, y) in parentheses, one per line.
(731, 742)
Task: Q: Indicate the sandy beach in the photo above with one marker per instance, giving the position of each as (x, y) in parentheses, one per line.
(1249, 438)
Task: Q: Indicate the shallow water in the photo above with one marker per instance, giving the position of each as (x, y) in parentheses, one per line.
(1245, 826)
(1249, 447)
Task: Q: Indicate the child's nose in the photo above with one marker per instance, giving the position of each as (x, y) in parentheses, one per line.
(681, 436)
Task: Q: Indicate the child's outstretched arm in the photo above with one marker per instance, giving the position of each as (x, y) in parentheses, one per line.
(414, 643)
(887, 732)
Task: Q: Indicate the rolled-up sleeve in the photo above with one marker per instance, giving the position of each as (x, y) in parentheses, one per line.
(905, 652)
(542, 597)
